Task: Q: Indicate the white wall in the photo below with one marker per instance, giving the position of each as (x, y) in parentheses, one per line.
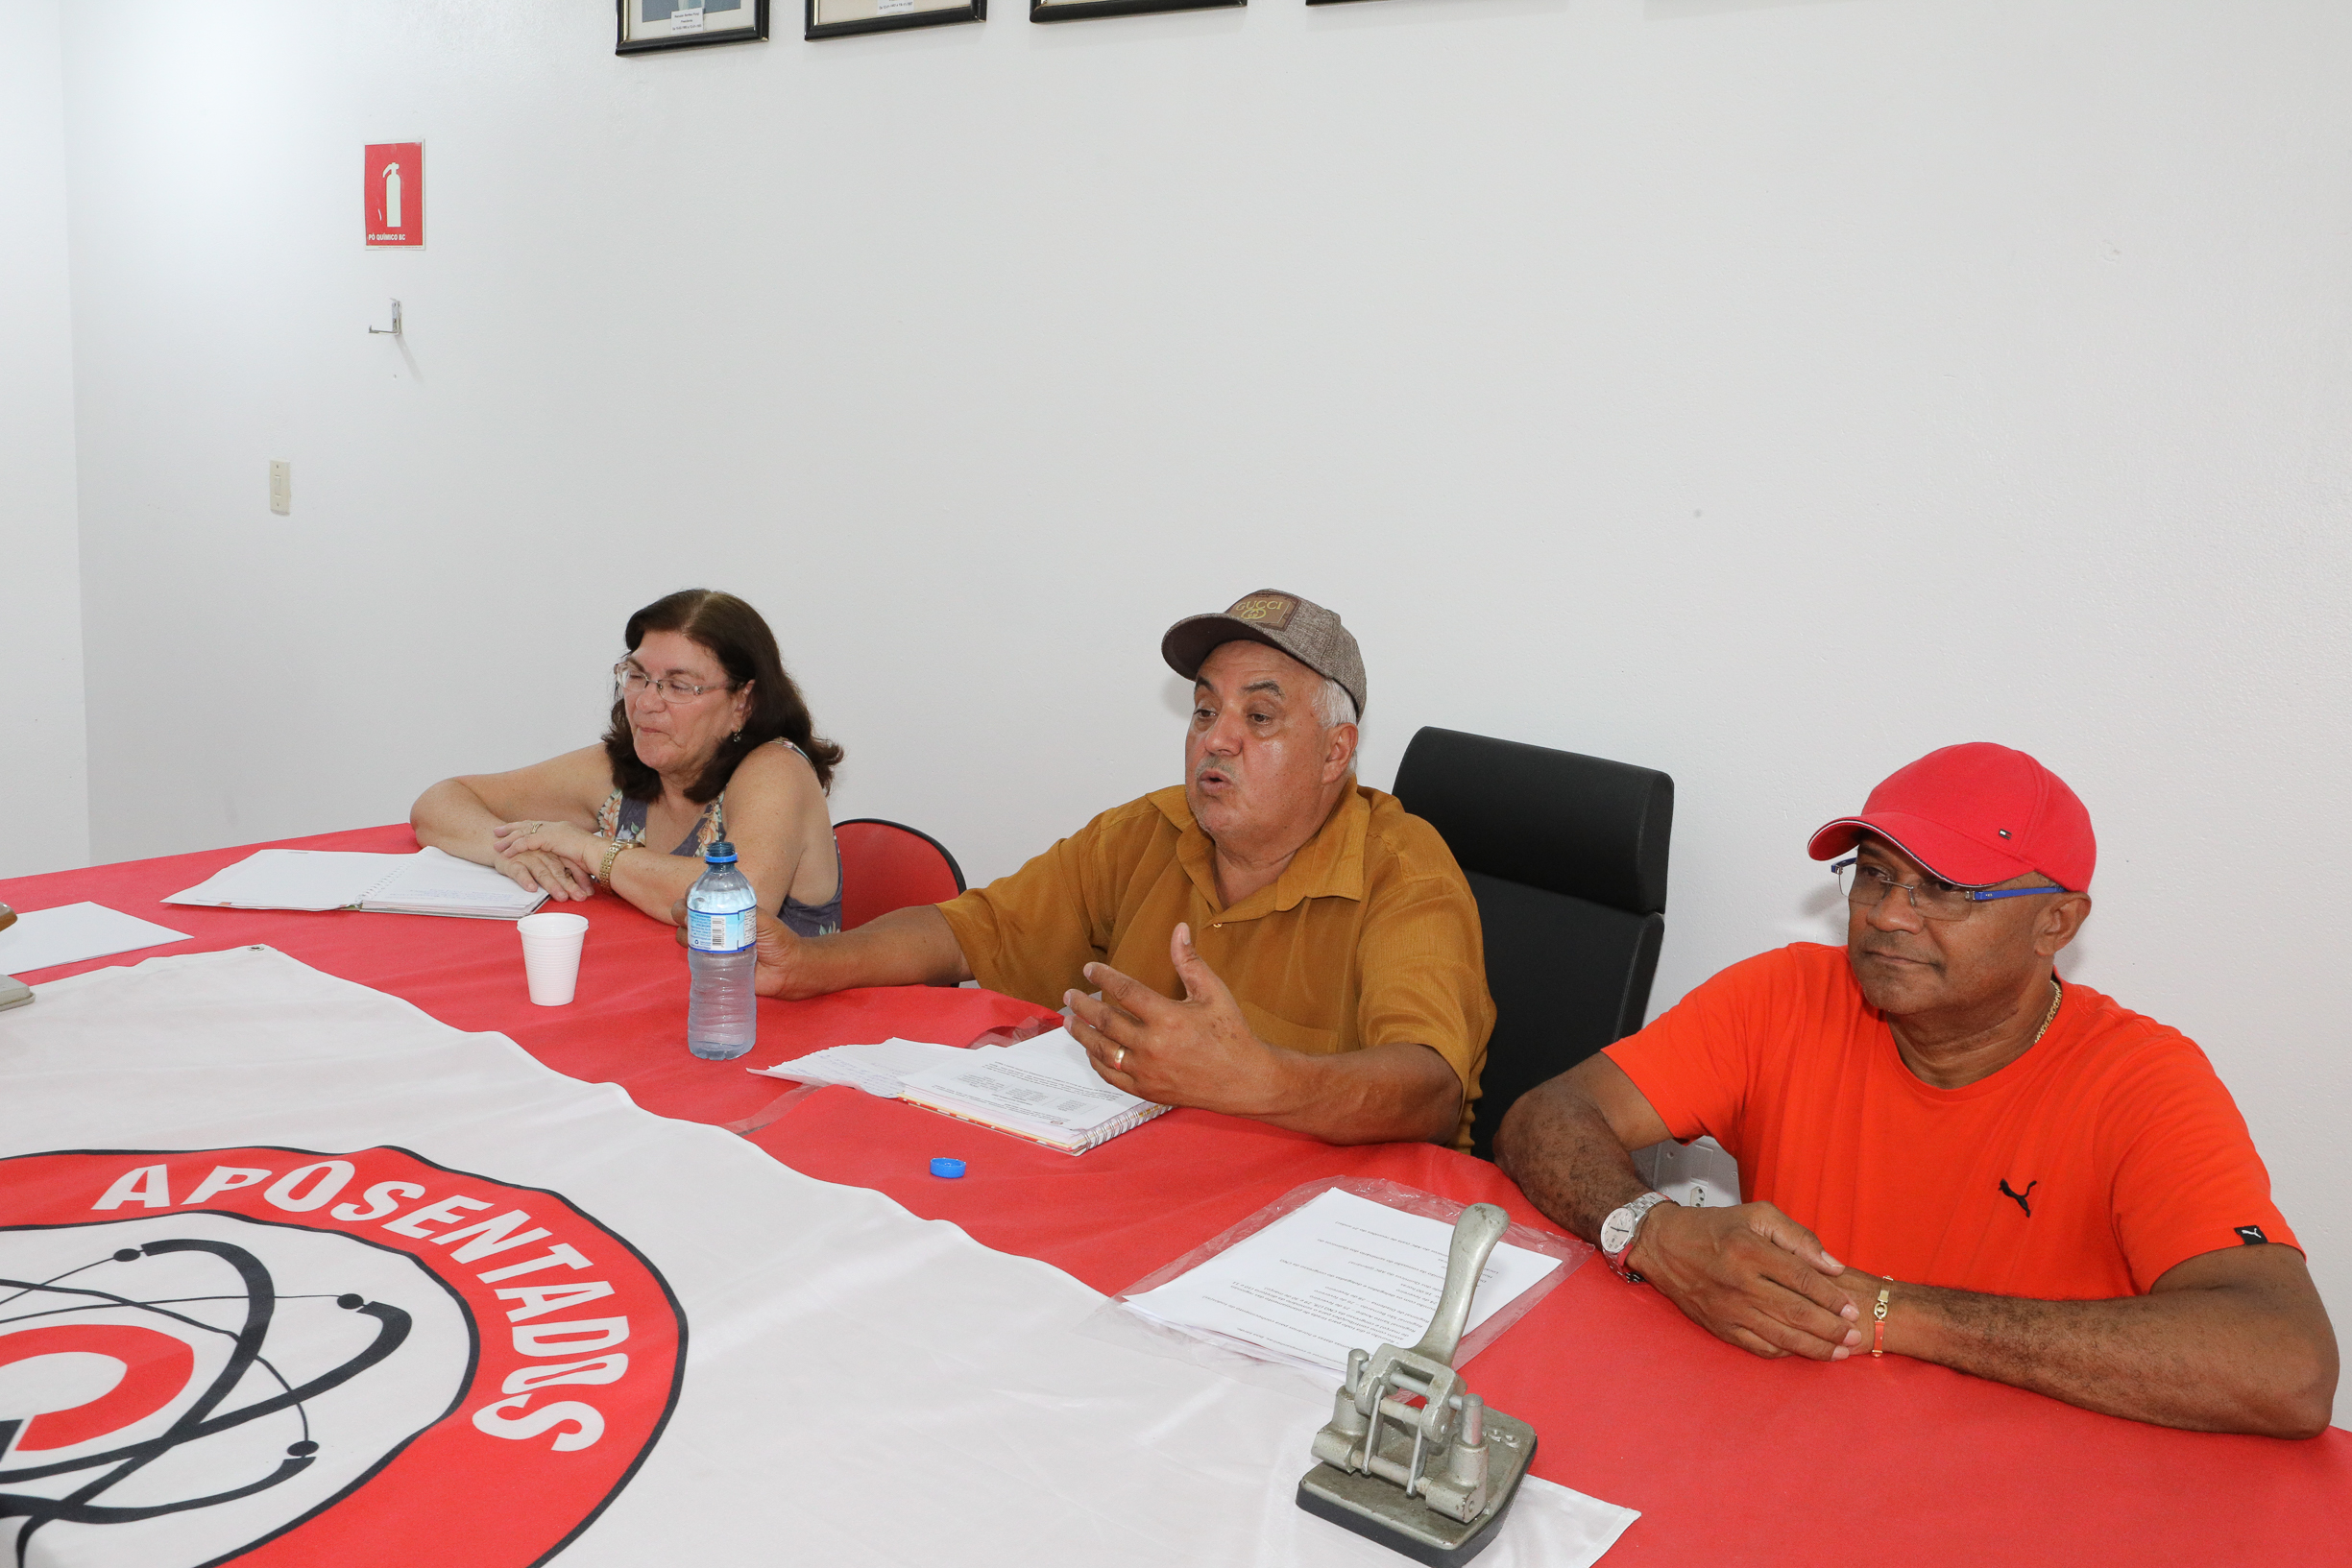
(44, 785)
(1766, 392)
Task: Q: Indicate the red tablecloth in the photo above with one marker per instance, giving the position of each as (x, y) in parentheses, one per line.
(1730, 1459)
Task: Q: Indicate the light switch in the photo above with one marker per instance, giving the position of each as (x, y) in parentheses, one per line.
(282, 487)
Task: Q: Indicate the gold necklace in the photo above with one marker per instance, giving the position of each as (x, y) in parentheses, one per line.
(2057, 994)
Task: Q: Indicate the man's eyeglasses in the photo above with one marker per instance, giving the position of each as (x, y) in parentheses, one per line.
(628, 681)
(1865, 886)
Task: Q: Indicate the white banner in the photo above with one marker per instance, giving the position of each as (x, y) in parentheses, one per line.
(297, 1274)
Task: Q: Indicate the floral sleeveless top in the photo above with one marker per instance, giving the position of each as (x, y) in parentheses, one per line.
(623, 821)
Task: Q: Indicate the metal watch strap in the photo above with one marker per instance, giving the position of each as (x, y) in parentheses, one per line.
(1635, 1213)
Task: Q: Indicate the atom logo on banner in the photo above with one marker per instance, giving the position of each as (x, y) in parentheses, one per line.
(391, 190)
(206, 1356)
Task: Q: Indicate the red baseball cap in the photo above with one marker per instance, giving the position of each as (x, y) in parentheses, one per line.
(1974, 815)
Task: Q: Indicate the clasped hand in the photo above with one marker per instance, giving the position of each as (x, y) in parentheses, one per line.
(554, 857)
(1198, 1050)
(1752, 1277)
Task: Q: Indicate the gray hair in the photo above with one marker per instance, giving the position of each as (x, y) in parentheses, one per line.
(1334, 706)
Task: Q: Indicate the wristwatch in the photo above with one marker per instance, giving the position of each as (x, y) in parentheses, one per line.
(1618, 1230)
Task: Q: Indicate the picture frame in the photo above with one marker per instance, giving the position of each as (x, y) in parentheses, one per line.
(841, 18)
(1079, 10)
(643, 26)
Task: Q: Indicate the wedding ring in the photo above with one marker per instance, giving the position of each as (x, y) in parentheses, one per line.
(1117, 1061)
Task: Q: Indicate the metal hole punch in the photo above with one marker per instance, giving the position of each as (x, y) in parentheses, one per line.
(1412, 1458)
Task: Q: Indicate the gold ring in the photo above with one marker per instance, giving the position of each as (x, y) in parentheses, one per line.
(1118, 1060)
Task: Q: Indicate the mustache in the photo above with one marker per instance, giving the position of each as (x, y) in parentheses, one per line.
(1223, 767)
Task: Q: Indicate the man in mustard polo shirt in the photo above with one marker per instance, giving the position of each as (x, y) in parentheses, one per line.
(1319, 944)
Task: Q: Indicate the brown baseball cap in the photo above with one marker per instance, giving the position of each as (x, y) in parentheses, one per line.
(1300, 627)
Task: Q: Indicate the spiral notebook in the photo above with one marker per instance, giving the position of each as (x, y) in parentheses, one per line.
(1044, 1089)
(428, 882)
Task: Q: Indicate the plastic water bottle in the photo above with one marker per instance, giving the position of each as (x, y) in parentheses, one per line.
(720, 1019)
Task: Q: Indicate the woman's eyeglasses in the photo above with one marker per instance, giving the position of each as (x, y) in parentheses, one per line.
(629, 681)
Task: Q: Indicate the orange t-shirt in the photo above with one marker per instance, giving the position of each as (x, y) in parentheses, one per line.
(2083, 1171)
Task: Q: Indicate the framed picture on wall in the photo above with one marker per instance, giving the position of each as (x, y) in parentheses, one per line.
(681, 24)
(1078, 11)
(837, 18)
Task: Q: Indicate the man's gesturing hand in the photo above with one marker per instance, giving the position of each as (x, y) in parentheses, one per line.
(1751, 1276)
(1198, 1052)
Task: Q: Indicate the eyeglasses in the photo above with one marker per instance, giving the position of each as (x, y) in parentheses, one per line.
(628, 681)
(1865, 886)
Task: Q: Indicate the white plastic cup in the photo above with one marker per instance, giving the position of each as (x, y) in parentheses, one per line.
(551, 955)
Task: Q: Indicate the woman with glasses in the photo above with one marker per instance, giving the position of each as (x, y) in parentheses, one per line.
(709, 739)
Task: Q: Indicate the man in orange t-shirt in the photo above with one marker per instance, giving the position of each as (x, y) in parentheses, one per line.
(1947, 1152)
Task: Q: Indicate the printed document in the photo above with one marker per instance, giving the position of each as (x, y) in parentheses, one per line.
(1044, 1089)
(1341, 1273)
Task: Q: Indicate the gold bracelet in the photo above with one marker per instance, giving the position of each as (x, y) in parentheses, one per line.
(604, 874)
(1877, 1333)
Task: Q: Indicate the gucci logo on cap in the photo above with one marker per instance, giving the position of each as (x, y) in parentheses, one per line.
(1270, 610)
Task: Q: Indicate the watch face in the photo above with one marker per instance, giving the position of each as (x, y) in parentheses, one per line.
(1616, 1232)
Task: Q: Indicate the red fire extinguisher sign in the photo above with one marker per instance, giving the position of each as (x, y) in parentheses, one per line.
(392, 184)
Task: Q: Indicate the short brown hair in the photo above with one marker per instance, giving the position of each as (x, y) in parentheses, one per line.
(738, 639)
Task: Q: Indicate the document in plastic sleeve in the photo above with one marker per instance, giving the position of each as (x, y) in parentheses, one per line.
(1341, 1273)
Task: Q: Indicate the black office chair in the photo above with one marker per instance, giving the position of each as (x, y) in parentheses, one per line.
(1567, 857)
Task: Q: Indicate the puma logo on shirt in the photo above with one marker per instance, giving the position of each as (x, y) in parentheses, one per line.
(2020, 1196)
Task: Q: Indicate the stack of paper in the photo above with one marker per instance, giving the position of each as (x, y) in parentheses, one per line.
(1341, 1273)
(428, 882)
(1044, 1089)
(291, 880)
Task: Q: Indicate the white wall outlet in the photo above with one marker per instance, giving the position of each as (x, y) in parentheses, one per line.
(1700, 1174)
(282, 487)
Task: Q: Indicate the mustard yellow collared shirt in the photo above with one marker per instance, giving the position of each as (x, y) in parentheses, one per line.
(1370, 936)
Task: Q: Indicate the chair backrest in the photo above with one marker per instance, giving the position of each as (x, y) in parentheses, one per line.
(1566, 856)
(889, 865)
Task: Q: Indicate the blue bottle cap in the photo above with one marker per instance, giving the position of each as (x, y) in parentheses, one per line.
(945, 1167)
(720, 854)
